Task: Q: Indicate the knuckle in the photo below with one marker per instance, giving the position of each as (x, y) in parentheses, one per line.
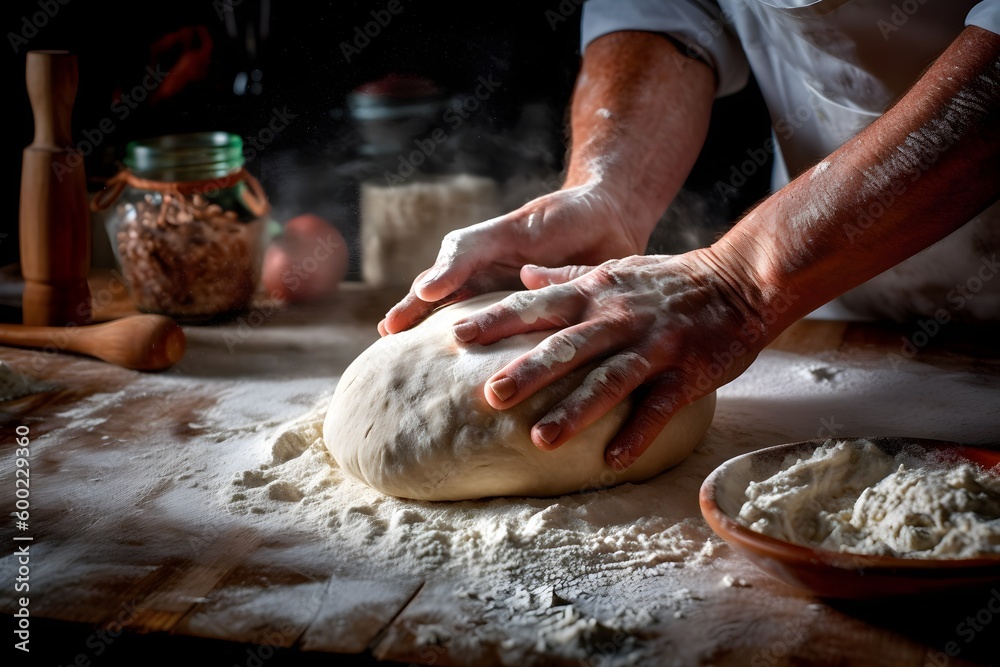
(519, 301)
(605, 276)
(451, 246)
(622, 322)
(630, 367)
(557, 348)
(547, 304)
(615, 378)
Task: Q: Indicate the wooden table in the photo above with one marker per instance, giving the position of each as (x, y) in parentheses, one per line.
(209, 564)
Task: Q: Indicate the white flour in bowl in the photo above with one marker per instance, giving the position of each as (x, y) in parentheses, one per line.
(856, 498)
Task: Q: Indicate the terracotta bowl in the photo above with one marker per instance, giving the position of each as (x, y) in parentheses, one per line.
(830, 573)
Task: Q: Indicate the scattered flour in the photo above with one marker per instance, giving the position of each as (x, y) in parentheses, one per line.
(525, 562)
(730, 581)
(860, 499)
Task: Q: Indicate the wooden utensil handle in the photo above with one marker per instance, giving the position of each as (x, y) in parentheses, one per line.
(139, 342)
(20, 335)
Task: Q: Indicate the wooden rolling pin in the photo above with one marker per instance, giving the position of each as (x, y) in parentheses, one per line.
(139, 342)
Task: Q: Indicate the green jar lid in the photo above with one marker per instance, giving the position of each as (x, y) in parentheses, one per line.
(185, 156)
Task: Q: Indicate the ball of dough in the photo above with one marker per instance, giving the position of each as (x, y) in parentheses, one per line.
(410, 419)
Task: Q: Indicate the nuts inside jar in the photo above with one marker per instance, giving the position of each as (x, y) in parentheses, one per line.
(182, 255)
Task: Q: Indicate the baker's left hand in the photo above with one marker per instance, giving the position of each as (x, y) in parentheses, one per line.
(670, 328)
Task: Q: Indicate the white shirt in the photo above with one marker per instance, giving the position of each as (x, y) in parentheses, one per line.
(826, 69)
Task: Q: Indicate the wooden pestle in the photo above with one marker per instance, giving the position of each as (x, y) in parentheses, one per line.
(138, 342)
(54, 219)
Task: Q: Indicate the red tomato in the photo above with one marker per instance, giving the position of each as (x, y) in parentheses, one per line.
(307, 262)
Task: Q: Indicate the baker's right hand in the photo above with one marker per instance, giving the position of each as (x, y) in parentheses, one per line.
(579, 225)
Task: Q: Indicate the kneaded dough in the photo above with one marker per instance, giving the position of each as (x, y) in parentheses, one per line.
(410, 419)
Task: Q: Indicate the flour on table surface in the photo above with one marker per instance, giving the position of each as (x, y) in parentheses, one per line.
(529, 564)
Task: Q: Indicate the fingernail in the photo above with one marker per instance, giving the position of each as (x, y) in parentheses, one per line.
(503, 388)
(549, 432)
(618, 461)
(429, 280)
(466, 331)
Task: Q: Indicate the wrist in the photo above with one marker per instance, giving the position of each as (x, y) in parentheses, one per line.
(635, 215)
(766, 304)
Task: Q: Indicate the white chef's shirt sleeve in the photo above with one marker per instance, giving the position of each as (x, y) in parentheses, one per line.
(986, 15)
(699, 25)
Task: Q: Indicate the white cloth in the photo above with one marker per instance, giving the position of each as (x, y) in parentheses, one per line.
(827, 69)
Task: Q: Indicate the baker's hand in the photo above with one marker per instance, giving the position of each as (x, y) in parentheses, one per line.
(671, 328)
(579, 225)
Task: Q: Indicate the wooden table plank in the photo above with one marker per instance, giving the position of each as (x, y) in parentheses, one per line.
(341, 625)
(426, 631)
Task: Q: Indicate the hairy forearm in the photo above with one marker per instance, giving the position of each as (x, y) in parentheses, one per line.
(640, 114)
(927, 166)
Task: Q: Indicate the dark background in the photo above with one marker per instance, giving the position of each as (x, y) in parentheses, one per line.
(313, 164)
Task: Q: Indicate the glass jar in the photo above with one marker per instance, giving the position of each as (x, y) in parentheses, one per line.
(187, 224)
